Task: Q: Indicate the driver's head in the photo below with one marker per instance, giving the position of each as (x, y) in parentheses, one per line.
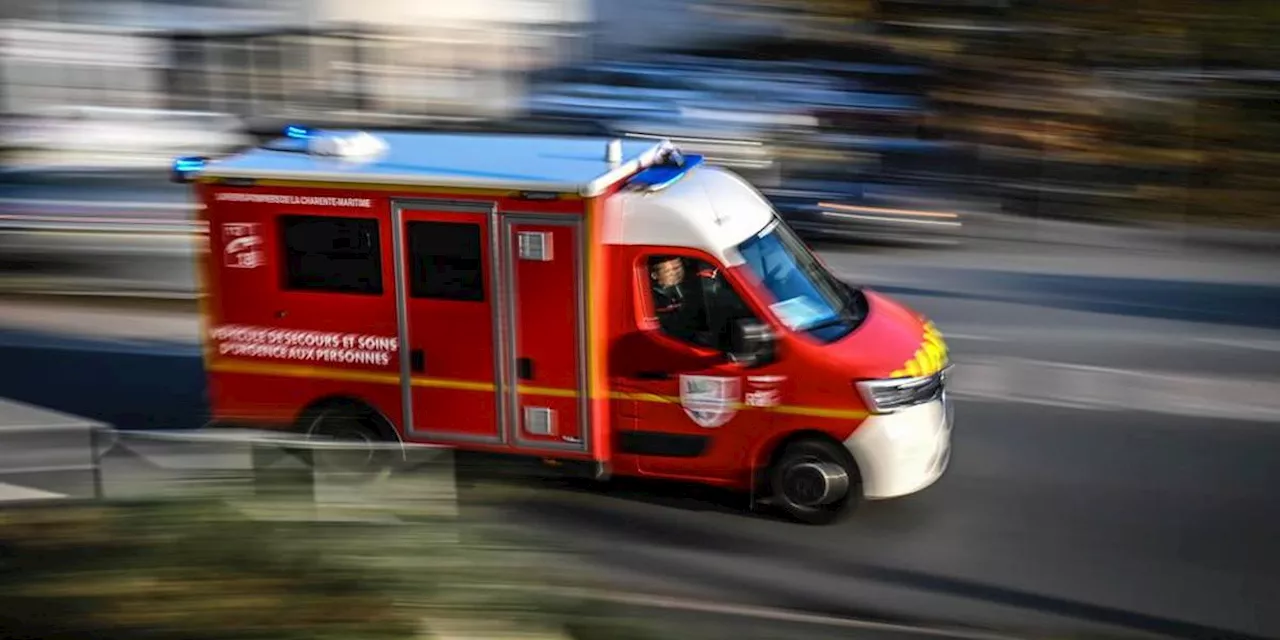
(667, 272)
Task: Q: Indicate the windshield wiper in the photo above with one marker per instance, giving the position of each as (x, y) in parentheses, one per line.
(836, 320)
(850, 312)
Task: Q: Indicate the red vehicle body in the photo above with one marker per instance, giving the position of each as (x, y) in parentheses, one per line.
(612, 303)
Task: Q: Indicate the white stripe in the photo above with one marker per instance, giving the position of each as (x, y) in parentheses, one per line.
(1260, 345)
(782, 615)
(967, 336)
(14, 493)
(1111, 389)
(98, 204)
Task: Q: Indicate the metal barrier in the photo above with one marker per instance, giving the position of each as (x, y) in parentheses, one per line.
(50, 455)
(287, 468)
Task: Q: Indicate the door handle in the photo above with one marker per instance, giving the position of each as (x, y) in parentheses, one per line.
(417, 360)
(524, 368)
(653, 375)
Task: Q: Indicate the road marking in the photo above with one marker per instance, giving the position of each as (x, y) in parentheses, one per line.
(1258, 345)
(781, 615)
(16, 493)
(98, 204)
(1023, 380)
(969, 336)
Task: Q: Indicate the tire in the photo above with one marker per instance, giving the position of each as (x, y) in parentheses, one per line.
(349, 423)
(796, 490)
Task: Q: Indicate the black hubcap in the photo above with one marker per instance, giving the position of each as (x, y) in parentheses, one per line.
(805, 485)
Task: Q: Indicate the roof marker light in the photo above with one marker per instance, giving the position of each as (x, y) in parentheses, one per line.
(613, 152)
(664, 174)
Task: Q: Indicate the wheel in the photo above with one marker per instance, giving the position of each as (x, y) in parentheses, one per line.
(351, 424)
(815, 482)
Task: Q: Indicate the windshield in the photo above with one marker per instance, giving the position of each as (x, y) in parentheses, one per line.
(807, 298)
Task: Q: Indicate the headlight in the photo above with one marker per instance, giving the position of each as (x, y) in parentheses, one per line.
(894, 394)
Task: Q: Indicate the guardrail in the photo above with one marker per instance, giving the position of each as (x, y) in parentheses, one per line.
(52, 461)
(46, 455)
(283, 475)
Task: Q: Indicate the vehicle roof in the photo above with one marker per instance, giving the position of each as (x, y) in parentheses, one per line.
(476, 160)
(710, 208)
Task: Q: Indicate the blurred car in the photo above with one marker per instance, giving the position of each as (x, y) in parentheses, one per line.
(830, 209)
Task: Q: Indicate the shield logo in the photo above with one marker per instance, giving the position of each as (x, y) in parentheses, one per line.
(710, 401)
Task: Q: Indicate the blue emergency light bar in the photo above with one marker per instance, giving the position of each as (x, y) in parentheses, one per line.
(298, 132)
(670, 169)
(185, 169)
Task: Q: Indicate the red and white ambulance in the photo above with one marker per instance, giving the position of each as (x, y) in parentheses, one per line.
(613, 304)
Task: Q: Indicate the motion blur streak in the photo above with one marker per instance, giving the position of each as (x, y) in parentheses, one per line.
(1083, 196)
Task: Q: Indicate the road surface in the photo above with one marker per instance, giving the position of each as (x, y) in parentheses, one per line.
(1062, 508)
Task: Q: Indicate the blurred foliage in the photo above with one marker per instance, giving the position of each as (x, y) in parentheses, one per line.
(201, 567)
(1172, 100)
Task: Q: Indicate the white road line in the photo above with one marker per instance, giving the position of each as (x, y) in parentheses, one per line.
(1111, 389)
(972, 337)
(781, 615)
(1258, 345)
(98, 204)
(16, 493)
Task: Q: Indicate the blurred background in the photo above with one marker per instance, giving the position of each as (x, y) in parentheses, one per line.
(1135, 113)
(1082, 194)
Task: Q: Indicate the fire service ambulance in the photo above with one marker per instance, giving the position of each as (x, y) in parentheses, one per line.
(611, 305)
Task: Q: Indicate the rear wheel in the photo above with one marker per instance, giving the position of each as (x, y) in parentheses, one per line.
(356, 430)
(815, 481)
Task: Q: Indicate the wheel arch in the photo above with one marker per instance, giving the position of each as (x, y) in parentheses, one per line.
(307, 417)
(769, 451)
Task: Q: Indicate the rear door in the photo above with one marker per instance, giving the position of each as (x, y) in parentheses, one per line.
(544, 311)
(447, 309)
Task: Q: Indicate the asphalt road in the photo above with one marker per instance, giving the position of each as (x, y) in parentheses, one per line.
(1059, 511)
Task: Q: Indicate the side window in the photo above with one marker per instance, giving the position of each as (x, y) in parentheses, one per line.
(446, 261)
(693, 302)
(338, 255)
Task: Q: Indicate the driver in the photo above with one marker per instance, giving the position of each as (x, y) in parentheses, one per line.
(676, 310)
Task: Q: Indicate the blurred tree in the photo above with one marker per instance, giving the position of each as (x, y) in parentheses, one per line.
(1176, 97)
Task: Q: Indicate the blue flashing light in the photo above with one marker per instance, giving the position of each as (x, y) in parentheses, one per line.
(185, 168)
(187, 165)
(297, 132)
(664, 174)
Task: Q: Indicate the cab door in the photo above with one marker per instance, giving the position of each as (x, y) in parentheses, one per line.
(690, 416)
(447, 310)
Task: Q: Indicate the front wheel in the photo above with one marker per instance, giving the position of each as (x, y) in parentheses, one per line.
(815, 482)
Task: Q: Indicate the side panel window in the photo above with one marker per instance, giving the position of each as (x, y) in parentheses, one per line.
(446, 261)
(693, 302)
(338, 255)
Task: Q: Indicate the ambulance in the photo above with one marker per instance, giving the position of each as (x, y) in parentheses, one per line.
(611, 306)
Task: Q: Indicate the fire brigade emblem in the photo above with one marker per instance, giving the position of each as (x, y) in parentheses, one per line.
(710, 401)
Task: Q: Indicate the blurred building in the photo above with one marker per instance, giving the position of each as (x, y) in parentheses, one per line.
(625, 28)
(45, 65)
(283, 56)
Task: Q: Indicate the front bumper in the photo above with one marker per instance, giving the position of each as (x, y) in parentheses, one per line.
(903, 452)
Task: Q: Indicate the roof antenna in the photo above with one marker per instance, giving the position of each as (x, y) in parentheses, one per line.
(613, 152)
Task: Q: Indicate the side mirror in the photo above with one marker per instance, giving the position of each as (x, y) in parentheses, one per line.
(751, 343)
